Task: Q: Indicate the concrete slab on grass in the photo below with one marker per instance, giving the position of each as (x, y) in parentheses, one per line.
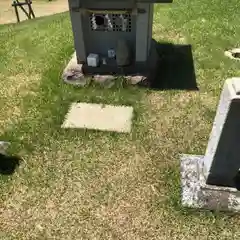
(99, 117)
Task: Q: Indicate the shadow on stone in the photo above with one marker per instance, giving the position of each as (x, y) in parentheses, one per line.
(237, 181)
(175, 68)
(8, 164)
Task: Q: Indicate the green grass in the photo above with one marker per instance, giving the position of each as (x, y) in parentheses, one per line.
(95, 185)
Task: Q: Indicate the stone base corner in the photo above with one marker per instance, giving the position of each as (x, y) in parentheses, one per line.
(74, 72)
(197, 194)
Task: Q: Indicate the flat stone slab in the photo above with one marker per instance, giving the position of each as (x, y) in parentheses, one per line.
(99, 117)
(197, 194)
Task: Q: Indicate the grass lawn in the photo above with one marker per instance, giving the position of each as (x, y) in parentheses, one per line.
(95, 185)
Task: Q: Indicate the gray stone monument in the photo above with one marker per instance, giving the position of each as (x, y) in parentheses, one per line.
(113, 37)
(212, 181)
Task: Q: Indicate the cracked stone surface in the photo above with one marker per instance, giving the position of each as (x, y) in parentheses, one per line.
(197, 194)
(99, 117)
(73, 75)
(135, 79)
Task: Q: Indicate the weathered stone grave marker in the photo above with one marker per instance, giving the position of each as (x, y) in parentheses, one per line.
(113, 37)
(212, 181)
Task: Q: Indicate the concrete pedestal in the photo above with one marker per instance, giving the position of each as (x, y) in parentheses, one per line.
(211, 181)
(197, 194)
(221, 162)
(80, 74)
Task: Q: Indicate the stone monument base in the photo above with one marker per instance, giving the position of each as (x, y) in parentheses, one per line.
(80, 74)
(197, 194)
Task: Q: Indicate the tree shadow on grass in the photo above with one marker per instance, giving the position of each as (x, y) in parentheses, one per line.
(175, 68)
(8, 164)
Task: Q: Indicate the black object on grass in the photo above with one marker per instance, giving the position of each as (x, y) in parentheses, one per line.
(8, 164)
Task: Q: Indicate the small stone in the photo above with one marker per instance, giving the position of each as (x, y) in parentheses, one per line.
(106, 81)
(102, 78)
(73, 74)
(236, 85)
(76, 79)
(135, 79)
(3, 147)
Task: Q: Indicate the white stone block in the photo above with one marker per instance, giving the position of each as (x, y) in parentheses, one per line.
(93, 60)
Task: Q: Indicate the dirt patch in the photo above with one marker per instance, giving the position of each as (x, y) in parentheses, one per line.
(41, 8)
